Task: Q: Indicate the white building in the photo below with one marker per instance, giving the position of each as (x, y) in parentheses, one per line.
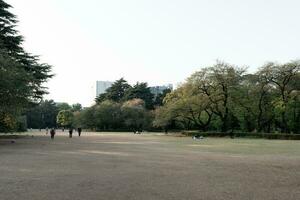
(101, 87)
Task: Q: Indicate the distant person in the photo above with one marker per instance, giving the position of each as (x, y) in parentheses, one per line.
(79, 131)
(63, 129)
(70, 132)
(198, 137)
(52, 133)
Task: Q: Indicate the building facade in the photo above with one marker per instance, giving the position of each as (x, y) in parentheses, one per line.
(101, 87)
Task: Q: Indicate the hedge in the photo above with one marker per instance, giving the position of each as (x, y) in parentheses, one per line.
(280, 136)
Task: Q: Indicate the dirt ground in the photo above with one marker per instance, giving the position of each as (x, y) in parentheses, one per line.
(148, 166)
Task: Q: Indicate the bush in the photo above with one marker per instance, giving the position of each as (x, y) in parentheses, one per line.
(279, 136)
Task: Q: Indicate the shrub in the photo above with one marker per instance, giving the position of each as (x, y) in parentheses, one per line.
(280, 136)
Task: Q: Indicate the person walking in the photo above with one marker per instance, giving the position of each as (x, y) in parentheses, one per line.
(79, 131)
(52, 133)
(70, 132)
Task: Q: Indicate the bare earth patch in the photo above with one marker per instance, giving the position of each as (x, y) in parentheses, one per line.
(126, 166)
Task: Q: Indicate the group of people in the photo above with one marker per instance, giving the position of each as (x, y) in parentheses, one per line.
(71, 132)
(52, 132)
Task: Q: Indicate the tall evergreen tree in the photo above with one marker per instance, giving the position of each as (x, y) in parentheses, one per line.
(117, 91)
(11, 46)
(22, 74)
(140, 91)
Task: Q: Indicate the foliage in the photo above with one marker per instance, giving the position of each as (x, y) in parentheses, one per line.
(65, 118)
(245, 135)
(21, 74)
(42, 115)
(224, 98)
(158, 101)
(15, 93)
(163, 118)
(85, 118)
(121, 91)
(135, 115)
(140, 91)
(45, 113)
(63, 106)
(76, 107)
(283, 80)
(107, 115)
(116, 92)
(110, 115)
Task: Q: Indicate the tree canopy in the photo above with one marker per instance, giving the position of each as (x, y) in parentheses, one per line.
(140, 91)
(223, 97)
(21, 74)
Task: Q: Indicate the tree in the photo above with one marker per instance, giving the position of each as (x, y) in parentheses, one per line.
(217, 83)
(135, 115)
(86, 118)
(22, 74)
(244, 99)
(15, 92)
(117, 91)
(102, 97)
(158, 100)
(11, 45)
(293, 107)
(163, 118)
(264, 95)
(63, 106)
(42, 115)
(49, 111)
(65, 118)
(189, 106)
(10, 40)
(107, 115)
(140, 91)
(76, 107)
(280, 77)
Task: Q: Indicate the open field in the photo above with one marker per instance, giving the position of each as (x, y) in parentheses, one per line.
(149, 166)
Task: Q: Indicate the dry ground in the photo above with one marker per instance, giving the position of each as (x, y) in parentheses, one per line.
(126, 166)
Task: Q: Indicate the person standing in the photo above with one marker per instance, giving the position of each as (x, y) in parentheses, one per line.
(52, 133)
(79, 131)
(70, 132)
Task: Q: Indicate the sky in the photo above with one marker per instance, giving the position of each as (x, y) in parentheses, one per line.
(154, 41)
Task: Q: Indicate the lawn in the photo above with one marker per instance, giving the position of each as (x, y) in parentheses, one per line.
(147, 166)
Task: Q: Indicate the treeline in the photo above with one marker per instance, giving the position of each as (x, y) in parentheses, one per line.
(21, 74)
(121, 91)
(122, 107)
(225, 97)
(130, 115)
(219, 98)
(49, 114)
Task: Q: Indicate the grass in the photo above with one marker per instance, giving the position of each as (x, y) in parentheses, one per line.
(249, 146)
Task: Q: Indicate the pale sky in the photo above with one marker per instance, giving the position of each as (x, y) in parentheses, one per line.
(154, 41)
